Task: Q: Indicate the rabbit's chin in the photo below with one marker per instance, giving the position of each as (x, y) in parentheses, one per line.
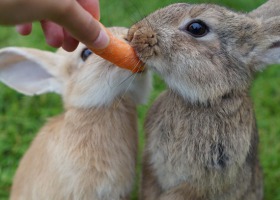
(189, 93)
(196, 94)
(111, 84)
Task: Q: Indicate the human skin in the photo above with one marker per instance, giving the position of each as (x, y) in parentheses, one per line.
(64, 22)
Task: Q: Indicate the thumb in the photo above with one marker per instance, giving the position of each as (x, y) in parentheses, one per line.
(82, 26)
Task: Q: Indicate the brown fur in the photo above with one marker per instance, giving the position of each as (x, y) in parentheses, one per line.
(88, 152)
(208, 144)
(267, 10)
(201, 134)
(75, 152)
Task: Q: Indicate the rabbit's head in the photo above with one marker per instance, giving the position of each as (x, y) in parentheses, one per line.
(83, 78)
(206, 52)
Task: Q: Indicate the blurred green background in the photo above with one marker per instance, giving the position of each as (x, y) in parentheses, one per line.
(21, 116)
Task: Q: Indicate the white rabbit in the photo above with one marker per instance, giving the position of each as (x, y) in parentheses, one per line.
(201, 134)
(89, 151)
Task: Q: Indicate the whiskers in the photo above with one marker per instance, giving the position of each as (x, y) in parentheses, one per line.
(126, 79)
(120, 81)
(139, 11)
(132, 78)
(126, 90)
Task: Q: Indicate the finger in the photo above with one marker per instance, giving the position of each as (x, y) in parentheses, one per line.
(24, 29)
(53, 33)
(69, 43)
(82, 26)
(92, 6)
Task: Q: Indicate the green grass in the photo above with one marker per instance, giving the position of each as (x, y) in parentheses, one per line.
(21, 117)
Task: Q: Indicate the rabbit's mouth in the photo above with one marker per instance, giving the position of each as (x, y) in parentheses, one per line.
(275, 45)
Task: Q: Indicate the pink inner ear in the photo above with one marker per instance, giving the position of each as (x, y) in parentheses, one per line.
(27, 77)
(275, 45)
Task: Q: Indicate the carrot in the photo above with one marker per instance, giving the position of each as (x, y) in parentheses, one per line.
(120, 53)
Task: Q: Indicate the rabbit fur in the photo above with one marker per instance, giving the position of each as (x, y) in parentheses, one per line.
(201, 134)
(89, 151)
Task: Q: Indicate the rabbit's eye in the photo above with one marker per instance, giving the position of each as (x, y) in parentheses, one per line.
(85, 54)
(197, 29)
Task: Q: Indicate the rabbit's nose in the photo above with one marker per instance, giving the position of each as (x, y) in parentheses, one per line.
(144, 40)
(142, 35)
(145, 37)
(151, 39)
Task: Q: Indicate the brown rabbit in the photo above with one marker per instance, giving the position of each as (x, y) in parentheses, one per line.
(267, 10)
(89, 151)
(201, 134)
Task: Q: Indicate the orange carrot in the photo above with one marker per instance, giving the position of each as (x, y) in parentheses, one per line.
(120, 53)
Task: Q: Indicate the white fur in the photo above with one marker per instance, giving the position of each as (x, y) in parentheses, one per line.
(27, 73)
(87, 152)
(98, 83)
(111, 83)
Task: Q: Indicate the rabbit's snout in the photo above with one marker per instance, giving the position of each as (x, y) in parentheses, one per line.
(144, 40)
(142, 35)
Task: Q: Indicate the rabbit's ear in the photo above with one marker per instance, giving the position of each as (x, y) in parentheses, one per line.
(269, 9)
(30, 71)
(268, 50)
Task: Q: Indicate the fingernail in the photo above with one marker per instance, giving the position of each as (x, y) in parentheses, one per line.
(102, 40)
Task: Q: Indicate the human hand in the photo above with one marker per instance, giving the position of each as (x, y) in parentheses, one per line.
(61, 20)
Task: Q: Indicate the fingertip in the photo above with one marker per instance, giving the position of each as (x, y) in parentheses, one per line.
(53, 33)
(83, 27)
(54, 42)
(70, 46)
(24, 29)
(102, 40)
(69, 43)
